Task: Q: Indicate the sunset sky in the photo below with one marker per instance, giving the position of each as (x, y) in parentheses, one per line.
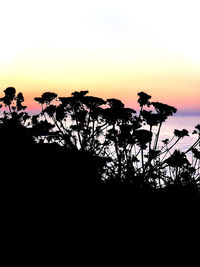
(111, 48)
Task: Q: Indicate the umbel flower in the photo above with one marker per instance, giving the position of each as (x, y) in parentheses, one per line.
(181, 134)
(143, 99)
(163, 110)
(177, 159)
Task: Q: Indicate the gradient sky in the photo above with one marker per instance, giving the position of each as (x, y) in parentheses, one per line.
(111, 48)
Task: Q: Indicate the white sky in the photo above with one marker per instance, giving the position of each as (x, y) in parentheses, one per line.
(109, 46)
(62, 24)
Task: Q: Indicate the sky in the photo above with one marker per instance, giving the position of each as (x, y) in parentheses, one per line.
(110, 48)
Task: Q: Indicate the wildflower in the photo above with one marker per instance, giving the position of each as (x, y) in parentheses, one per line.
(181, 134)
(143, 99)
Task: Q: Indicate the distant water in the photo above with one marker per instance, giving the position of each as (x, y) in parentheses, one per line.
(179, 123)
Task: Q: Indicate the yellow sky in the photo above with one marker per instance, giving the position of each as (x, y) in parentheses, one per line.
(111, 48)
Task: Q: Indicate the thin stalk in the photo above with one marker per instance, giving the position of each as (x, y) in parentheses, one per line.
(194, 145)
(157, 136)
(142, 158)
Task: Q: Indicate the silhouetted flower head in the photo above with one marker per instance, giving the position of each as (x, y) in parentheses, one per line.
(20, 97)
(114, 113)
(117, 112)
(181, 134)
(115, 103)
(39, 100)
(94, 105)
(143, 99)
(80, 94)
(19, 101)
(153, 154)
(128, 115)
(143, 137)
(197, 129)
(163, 110)
(196, 153)
(92, 101)
(151, 119)
(42, 128)
(77, 101)
(165, 141)
(9, 95)
(46, 98)
(10, 92)
(66, 101)
(177, 159)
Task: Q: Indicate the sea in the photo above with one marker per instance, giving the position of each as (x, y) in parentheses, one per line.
(180, 123)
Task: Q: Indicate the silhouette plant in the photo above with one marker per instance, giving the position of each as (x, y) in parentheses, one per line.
(108, 129)
(126, 143)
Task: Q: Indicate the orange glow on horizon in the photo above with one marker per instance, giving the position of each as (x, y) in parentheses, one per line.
(128, 98)
(105, 48)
